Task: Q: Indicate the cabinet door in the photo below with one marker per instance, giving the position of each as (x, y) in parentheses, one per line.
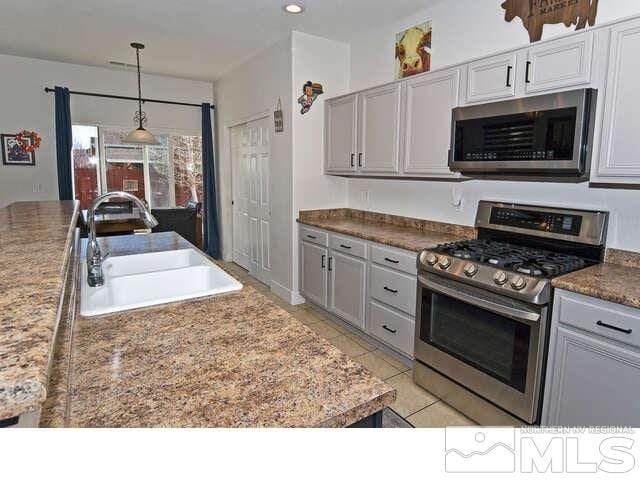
(558, 64)
(621, 123)
(429, 101)
(492, 78)
(379, 129)
(347, 281)
(340, 134)
(313, 273)
(592, 383)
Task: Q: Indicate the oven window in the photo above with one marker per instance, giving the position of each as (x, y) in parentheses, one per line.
(496, 345)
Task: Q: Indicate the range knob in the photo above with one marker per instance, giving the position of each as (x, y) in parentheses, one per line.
(445, 262)
(518, 283)
(500, 278)
(470, 269)
(432, 259)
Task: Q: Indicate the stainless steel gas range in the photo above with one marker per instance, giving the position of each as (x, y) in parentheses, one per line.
(484, 307)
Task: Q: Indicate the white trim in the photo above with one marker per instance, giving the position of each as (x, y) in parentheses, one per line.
(294, 298)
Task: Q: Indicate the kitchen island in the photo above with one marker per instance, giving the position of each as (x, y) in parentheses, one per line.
(236, 360)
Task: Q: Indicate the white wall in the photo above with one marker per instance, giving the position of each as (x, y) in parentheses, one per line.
(249, 90)
(25, 105)
(463, 30)
(326, 62)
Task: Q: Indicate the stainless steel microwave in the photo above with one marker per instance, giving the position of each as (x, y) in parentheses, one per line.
(547, 135)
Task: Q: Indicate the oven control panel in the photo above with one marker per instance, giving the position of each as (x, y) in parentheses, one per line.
(566, 224)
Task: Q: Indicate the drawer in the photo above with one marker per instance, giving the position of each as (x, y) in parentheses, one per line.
(609, 320)
(314, 236)
(351, 246)
(394, 288)
(392, 258)
(391, 327)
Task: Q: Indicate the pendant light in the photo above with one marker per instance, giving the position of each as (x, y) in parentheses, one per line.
(140, 136)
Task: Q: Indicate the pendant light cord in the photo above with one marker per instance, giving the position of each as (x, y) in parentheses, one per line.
(139, 88)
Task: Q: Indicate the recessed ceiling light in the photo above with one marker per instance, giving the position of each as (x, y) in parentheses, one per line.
(293, 8)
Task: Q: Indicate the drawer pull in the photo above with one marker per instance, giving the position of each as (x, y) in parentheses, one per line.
(391, 260)
(345, 246)
(628, 331)
(313, 237)
(389, 329)
(390, 289)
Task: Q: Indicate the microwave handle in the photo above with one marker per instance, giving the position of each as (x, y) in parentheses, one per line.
(505, 310)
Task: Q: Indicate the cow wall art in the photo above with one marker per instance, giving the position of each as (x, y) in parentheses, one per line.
(413, 51)
(535, 13)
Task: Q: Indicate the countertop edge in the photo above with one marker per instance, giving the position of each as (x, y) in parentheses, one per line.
(32, 392)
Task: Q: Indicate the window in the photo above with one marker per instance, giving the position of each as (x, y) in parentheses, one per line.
(164, 176)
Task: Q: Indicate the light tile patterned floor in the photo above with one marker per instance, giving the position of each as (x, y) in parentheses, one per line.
(416, 405)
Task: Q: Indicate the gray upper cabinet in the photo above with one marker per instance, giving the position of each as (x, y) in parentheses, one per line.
(593, 375)
(379, 129)
(492, 78)
(313, 272)
(341, 134)
(559, 64)
(619, 161)
(429, 101)
(347, 287)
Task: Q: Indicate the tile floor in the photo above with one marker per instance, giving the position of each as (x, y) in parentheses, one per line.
(415, 405)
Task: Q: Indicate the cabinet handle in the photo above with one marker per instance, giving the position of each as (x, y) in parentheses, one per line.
(391, 260)
(390, 289)
(613, 327)
(526, 73)
(313, 237)
(360, 160)
(509, 68)
(389, 329)
(353, 156)
(330, 267)
(345, 246)
(323, 258)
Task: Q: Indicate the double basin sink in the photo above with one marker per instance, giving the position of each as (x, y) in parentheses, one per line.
(137, 281)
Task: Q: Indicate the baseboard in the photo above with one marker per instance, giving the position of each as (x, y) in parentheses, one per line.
(289, 296)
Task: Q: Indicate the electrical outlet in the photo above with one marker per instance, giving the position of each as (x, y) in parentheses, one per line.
(37, 188)
(365, 196)
(456, 199)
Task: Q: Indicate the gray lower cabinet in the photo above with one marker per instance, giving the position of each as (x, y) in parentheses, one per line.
(347, 283)
(313, 272)
(593, 373)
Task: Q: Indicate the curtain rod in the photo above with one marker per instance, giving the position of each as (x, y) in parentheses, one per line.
(121, 97)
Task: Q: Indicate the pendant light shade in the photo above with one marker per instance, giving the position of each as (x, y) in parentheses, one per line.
(140, 136)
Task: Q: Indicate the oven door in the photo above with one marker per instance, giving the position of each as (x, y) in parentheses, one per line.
(490, 344)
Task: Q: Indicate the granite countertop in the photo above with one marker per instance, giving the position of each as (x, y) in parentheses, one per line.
(616, 281)
(35, 238)
(402, 232)
(236, 360)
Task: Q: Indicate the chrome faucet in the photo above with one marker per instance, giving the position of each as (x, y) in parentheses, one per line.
(95, 276)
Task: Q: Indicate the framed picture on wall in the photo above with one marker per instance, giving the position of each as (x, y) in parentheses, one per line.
(413, 51)
(13, 154)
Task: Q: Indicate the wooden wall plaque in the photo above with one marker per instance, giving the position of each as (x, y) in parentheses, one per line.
(535, 13)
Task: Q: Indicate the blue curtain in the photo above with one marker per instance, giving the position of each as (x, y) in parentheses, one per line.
(64, 143)
(210, 210)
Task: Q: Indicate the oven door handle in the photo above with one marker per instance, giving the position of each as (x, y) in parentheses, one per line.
(506, 310)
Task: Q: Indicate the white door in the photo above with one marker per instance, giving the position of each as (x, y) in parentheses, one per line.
(313, 278)
(379, 129)
(559, 64)
(259, 157)
(492, 78)
(240, 165)
(340, 134)
(347, 281)
(429, 102)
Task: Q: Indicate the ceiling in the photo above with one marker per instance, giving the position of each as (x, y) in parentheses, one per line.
(199, 39)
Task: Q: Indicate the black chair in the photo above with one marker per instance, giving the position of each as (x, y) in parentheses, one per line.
(179, 220)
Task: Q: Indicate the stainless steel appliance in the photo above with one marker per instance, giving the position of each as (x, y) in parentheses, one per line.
(546, 135)
(483, 307)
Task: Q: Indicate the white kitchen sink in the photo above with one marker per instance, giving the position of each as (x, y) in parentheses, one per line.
(136, 281)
